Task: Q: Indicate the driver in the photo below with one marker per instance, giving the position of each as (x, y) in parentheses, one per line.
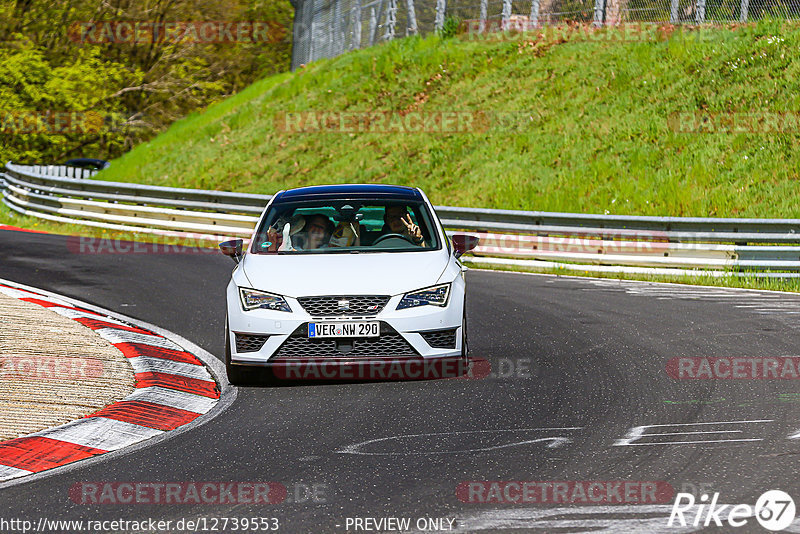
(398, 221)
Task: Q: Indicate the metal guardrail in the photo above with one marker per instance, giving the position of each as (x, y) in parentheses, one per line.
(67, 194)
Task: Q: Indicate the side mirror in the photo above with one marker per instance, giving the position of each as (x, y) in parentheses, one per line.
(233, 249)
(463, 243)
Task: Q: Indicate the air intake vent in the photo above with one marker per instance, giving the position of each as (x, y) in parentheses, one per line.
(440, 339)
(249, 342)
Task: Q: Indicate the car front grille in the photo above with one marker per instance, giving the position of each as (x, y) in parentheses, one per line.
(388, 344)
(440, 339)
(250, 342)
(333, 306)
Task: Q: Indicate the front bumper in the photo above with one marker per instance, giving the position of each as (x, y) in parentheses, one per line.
(277, 336)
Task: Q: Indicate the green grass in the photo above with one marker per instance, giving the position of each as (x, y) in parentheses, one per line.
(586, 125)
(575, 125)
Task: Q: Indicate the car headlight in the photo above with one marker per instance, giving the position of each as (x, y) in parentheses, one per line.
(252, 299)
(430, 296)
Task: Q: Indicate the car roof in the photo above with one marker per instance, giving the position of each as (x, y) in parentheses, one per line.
(350, 192)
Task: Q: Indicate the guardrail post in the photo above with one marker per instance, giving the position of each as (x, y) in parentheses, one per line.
(743, 7)
(412, 18)
(355, 40)
(342, 25)
(312, 46)
(701, 12)
(441, 7)
(599, 12)
(391, 20)
(334, 44)
(673, 12)
(506, 13)
(483, 16)
(534, 18)
(373, 25)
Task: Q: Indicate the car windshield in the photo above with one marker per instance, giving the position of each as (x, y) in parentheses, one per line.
(331, 227)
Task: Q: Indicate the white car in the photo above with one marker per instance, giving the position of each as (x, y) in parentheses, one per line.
(346, 275)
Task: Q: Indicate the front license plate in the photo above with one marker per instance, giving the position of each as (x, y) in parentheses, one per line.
(351, 329)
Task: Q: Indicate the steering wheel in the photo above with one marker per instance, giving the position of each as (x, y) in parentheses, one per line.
(387, 236)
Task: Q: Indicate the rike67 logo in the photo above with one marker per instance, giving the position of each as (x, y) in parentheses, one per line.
(774, 510)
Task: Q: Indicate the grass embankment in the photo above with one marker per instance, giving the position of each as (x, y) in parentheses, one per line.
(588, 125)
(591, 125)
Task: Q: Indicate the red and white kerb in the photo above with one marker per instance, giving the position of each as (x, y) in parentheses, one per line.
(173, 388)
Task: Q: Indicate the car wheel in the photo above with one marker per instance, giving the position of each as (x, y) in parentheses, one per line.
(236, 375)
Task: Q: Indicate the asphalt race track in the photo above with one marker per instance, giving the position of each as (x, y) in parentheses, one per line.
(577, 365)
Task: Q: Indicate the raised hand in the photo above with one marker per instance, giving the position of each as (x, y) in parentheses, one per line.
(274, 238)
(413, 230)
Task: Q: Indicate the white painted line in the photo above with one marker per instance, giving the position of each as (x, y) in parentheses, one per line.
(23, 294)
(638, 433)
(147, 364)
(696, 432)
(775, 305)
(77, 314)
(690, 442)
(20, 294)
(114, 336)
(552, 442)
(7, 472)
(171, 397)
(635, 518)
(16, 293)
(683, 294)
(100, 433)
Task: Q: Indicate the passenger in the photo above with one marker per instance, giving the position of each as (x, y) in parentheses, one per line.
(398, 221)
(299, 233)
(318, 231)
(280, 235)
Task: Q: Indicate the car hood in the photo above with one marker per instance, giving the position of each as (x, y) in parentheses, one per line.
(344, 274)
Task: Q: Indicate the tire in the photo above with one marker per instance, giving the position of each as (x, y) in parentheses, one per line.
(236, 375)
(465, 363)
(464, 346)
